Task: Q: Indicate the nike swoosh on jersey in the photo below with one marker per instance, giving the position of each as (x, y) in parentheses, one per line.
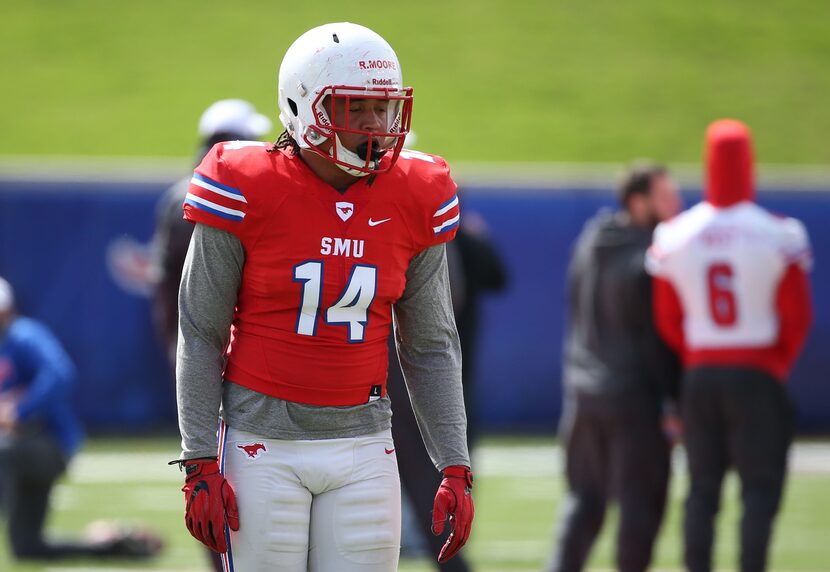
(377, 222)
(389, 451)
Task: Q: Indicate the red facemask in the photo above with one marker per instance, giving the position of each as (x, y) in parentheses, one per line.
(729, 163)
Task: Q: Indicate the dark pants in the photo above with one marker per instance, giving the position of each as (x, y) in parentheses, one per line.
(741, 418)
(419, 478)
(29, 467)
(613, 451)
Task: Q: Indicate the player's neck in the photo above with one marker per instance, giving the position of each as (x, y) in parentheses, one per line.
(330, 173)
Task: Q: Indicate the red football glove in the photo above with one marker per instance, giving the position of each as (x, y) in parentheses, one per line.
(209, 503)
(453, 499)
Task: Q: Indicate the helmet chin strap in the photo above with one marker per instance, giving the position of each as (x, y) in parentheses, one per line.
(350, 157)
(343, 154)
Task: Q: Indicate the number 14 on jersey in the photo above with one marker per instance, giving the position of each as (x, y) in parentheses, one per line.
(352, 307)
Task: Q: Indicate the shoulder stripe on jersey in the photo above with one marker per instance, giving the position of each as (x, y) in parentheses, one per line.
(453, 202)
(206, 183)
(448, 224)
(410, 154)
(213, 208)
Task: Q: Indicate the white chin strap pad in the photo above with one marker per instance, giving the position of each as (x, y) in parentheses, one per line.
(347, 156)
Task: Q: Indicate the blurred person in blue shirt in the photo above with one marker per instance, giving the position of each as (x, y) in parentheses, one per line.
(39, 434)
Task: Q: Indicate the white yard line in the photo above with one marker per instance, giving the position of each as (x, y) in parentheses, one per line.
(98, 569)
(546, 460)
(810, 458)
(682, 570)
(91, 468)
(134, 467)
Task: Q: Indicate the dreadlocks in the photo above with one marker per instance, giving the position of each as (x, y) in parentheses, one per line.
(285, 141)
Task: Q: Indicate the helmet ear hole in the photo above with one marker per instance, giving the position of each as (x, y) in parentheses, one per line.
(293, 106)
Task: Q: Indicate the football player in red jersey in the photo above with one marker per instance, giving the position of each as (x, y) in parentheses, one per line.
(732, 297)
(301, 253)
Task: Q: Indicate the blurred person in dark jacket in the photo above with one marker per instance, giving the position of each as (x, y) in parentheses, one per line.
(619, 380)
(224, 120)
(475, 268)
(39, 434)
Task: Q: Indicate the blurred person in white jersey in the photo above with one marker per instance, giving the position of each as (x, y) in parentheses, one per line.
(301, 253)
(732, 297)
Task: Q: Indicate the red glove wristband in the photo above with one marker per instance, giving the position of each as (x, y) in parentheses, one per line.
(460, 472)
(453, 499)
(210, 503)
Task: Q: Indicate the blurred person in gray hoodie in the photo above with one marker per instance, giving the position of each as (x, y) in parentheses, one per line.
(619, 381)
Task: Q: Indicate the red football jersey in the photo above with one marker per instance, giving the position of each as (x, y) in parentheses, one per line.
(322, 269)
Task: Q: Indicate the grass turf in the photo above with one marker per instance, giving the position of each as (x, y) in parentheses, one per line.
(495, 80)
(515, 511)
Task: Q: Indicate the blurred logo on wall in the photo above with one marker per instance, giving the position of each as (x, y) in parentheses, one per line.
(130, 264)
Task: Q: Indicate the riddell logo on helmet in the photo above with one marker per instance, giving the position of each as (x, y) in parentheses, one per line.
(322, 119)
(377, 65)
(376, 81)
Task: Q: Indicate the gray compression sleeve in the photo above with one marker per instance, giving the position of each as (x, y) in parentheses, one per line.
(430, 356)
(207, 296)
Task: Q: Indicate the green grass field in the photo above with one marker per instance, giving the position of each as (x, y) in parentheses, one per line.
(495, 80)
(130, 481)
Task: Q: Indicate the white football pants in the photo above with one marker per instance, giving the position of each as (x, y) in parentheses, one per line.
(328, 505)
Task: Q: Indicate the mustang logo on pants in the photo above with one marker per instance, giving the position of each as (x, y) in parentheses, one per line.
(252, 450)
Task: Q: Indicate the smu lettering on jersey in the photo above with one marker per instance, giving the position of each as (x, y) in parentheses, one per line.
(322, 269)
(724, 269)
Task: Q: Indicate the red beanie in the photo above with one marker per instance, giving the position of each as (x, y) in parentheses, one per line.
(729, 163)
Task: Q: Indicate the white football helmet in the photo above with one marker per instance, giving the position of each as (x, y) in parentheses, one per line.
(345, 61)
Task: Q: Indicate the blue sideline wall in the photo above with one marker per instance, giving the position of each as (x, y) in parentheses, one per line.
(78, 256)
